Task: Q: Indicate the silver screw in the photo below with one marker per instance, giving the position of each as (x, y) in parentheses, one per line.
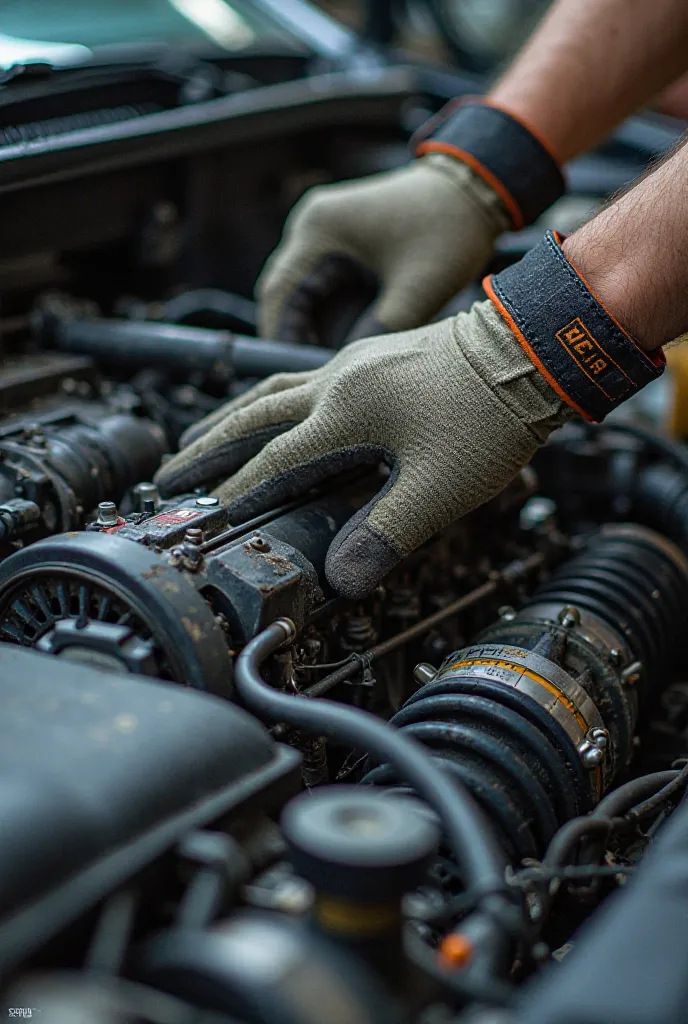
(107, 514)
(258, 543)
(592, 749)
(208, 502)
(147, 492)
(592, 757)
(569, 617)
(537, 512)
(507, 613)
(600, 737)
(424, 673)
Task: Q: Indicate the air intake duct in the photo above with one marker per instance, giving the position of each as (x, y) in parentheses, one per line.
(537, 716)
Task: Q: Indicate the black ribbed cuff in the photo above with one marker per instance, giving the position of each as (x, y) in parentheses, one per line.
(587, 357)
(501, 150)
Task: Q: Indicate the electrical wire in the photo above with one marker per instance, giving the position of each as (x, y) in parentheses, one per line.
(656, 802)
(624, 798)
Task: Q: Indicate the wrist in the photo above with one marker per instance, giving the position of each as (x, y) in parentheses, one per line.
(613, 271)
(505, 153)
(580, 348)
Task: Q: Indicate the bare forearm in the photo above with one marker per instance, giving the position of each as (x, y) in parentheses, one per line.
(590, 64)
(634, 254)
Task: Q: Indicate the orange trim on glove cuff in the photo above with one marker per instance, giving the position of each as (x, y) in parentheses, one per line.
(432, 146)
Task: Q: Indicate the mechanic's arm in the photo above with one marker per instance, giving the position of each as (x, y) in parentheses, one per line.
(456, 408)
(427, 230)
(590, 64)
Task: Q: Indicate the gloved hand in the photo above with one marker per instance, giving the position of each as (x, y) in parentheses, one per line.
(455, 409)
(424, 231)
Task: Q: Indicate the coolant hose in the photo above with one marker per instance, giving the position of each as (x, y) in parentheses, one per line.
(468, 833)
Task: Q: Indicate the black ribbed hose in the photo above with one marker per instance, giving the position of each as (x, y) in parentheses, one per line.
(488, 731)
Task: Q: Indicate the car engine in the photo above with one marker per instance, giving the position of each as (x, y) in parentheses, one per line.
(230, 795)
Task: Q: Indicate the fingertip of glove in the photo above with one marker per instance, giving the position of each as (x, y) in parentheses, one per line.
(355, 565)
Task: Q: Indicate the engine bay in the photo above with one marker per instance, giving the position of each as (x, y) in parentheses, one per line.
(230, 794)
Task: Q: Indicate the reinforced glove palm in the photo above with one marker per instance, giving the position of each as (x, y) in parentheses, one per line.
(455, 409)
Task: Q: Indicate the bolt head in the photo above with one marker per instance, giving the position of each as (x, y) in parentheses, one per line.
(107, 513)
(600, 737)
(424, 673)
(569, 617)
(258, 543)
(207, 502)
(593, 757)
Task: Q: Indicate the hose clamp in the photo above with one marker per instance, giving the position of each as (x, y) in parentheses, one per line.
(564, 698)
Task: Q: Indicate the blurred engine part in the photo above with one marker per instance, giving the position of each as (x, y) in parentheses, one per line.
(217, 356)
(65, 463)
(141, 766)
(628, 964)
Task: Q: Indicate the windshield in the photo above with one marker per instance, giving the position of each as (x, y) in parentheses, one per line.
(68, 31)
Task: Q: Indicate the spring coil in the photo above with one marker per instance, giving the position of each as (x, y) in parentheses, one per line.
(620, 603)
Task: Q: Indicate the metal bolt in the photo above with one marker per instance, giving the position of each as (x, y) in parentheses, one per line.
(424, 673)
(107, 514)
(592, 757)
(208, 502)
(537, 512)
(37, 438)
(148, 506)
(600, 737)
(614, 657)
(569, 617)
(592, 749)
(507, 612)
(147, 492)
(194, 536)
(258, 543)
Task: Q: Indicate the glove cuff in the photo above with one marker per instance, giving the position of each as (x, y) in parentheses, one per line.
(579, 348)
(507, 155)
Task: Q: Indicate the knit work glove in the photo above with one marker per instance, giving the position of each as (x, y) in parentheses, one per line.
(455, 409)
(424, 232)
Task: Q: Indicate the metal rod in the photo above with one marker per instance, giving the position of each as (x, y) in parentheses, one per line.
(513, 571)
(252, 524)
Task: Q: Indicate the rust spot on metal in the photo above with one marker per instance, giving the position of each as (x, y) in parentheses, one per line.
(155, 570)
(280, 565)
(193, 629)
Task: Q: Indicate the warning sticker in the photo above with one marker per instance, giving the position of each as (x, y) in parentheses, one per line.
(175, 517)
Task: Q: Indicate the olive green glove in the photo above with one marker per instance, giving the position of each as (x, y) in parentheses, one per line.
(424, 232)
(455, 409)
